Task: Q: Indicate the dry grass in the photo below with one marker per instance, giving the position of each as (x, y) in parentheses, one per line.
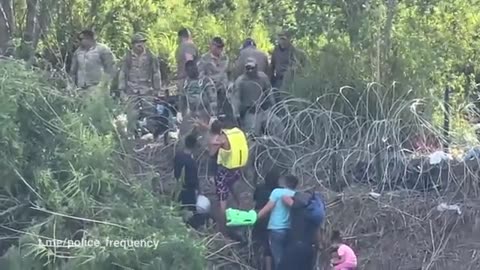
(347, 156)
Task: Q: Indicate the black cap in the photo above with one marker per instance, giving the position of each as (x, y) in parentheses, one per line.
(249, 42)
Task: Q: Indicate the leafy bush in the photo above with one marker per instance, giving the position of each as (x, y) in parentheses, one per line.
(64, 176)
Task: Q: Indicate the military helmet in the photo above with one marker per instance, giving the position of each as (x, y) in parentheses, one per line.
(138, 37)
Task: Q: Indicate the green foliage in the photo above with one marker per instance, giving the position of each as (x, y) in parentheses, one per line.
(115, 21)
(63, 178)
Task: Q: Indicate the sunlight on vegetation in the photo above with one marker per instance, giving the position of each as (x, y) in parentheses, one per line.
(64, 170)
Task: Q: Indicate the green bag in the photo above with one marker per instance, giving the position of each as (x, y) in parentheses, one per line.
(237, 217)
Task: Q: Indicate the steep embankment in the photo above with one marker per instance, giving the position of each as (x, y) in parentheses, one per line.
(66, 175)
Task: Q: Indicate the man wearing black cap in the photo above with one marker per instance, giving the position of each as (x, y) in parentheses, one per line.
(249, 49)
(139, 72)
(251, 90)
(214, 65)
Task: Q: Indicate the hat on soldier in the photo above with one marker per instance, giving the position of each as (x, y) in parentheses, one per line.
(249, 42)
(251, 62)
(138, 37)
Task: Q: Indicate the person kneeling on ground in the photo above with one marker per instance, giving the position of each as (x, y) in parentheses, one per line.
(260, 230)
(185, 162)
(279, 223)
(343, 256)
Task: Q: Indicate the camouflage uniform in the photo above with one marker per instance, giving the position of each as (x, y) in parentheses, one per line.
(201, 96)
(201, 100)
(285, 64)
(250, 95)
(88, 66)
(216, 68)
(260, 57)
(139, 74)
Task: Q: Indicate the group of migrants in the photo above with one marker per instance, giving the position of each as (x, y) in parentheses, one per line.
(284, 231)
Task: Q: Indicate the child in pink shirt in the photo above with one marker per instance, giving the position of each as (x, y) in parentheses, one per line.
(344, 257)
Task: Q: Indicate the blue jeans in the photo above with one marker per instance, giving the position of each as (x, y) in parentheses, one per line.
(298, 256)
(278, 242)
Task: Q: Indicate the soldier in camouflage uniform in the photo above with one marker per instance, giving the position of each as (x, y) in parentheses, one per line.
(249, 49)
(286, 61)
(201, 96)
(200, 91)
(214, 65)
(90, 62)
(251, 96)
(139, 72)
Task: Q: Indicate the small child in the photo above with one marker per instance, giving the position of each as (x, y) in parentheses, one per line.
(343, 256)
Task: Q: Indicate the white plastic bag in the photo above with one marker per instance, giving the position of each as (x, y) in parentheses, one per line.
(438, 156)
(203, 205)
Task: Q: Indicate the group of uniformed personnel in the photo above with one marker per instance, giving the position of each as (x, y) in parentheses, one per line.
(203, 81)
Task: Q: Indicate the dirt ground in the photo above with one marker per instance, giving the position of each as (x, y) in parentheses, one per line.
(398, 229)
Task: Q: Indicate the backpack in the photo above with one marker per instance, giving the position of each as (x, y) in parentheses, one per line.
(315, 209)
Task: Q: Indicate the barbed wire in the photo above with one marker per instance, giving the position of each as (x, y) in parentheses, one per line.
(350, 143)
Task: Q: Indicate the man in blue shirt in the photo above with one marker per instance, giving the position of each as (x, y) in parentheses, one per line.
(279, 223)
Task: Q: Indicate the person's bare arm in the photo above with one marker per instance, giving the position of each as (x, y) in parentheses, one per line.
(337, 260)
(340, 258)
(213, 146)
(266, 209)
(201, 124)
(287, 200)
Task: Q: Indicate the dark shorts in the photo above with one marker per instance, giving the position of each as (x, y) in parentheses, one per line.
(224, 181)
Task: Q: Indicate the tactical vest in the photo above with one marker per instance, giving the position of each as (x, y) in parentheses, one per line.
(151, 63)
(237, 156)
(193, 87)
